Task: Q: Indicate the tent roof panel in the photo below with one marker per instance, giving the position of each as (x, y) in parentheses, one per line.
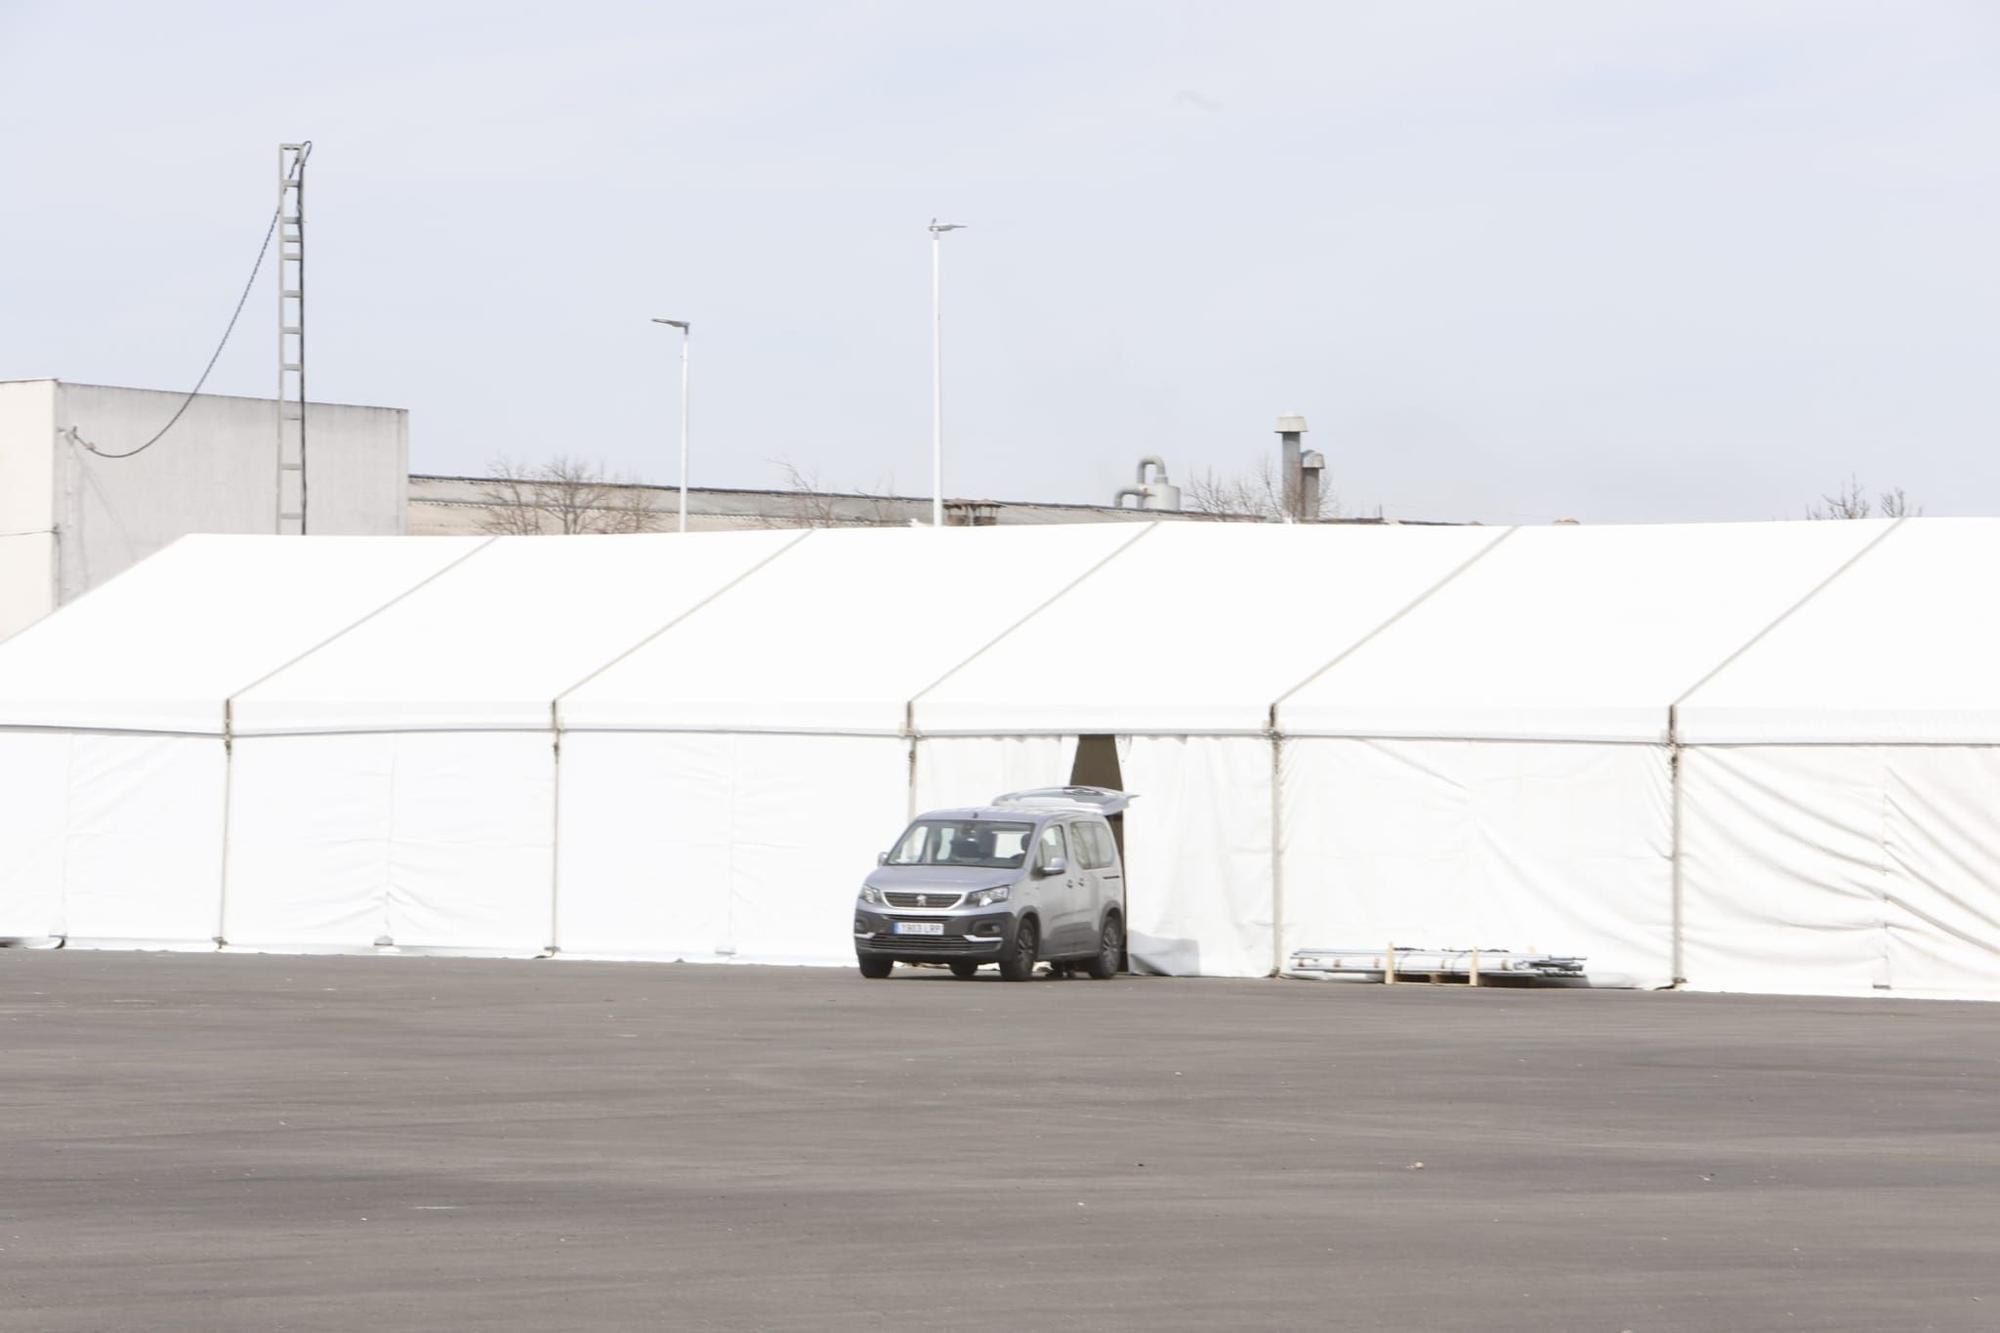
(493, 641)
(1575, 633)
(840, 632)
(1902, 647)
(164, 644)
(1198, 628)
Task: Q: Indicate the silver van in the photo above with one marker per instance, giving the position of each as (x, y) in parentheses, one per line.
(1033, 877)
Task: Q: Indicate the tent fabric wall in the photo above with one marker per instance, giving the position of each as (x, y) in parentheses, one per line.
(1541, 847)
(131, 682)
(428, 840)
(1842, 869)
(108, 839)
(111, 837)
(1840, 828)
(721, 847)
(1508, 782)
(293, 883)
(956, 771)
(1198, 855)
(399, 783)
(143, 862)
(34, 832)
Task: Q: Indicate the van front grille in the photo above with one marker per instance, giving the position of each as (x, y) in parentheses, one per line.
(931, 900)
(923, 944)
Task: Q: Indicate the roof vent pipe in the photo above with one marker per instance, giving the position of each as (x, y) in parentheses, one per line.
(1157, 493)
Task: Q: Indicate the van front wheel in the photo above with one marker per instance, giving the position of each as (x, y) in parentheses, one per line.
(877, 968)
(1019, 964)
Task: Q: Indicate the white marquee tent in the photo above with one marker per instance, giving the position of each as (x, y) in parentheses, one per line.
(400, 783)
(1841, 783)
(113, 765)
(1494, 766)
(725, 787)
(1753, 756)
(1180, 651)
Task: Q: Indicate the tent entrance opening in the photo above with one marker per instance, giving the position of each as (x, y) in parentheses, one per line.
(1096, 765)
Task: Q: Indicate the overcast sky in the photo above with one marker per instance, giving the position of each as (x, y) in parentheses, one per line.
(1615, 261)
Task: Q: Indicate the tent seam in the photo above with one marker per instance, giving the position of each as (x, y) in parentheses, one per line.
(910, 707)
(1790, 611)
(1379, 630)
(555, 704)
(341, 633)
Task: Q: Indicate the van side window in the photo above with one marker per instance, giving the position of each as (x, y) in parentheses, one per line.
(1093, 848)
(1051, 845)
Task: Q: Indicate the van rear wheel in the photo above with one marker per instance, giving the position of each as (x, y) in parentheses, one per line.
(877, 968)
(1103, 964)
(964, 970)
(1019, 964)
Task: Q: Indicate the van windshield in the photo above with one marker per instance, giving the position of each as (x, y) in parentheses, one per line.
(964, 842)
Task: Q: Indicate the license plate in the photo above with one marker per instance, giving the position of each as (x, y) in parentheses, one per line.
(920, 927)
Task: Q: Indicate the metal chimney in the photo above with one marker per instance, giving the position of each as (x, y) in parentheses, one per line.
(1312, 465)
(1290, 429)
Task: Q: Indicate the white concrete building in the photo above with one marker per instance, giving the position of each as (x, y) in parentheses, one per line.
(71, 516)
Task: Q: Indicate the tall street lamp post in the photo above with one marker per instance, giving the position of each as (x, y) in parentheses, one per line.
(687, 331)
(937, 229)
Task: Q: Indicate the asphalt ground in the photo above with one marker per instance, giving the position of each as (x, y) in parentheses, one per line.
(204, 1142)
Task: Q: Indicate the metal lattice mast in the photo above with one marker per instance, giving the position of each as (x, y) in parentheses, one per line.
(292, 338)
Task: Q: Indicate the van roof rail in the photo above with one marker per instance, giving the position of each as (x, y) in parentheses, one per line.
(1102, 800)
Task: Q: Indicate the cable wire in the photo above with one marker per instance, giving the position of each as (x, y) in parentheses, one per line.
(241, 301)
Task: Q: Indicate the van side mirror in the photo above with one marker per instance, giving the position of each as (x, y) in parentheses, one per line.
(1055, 865)
(881, 858)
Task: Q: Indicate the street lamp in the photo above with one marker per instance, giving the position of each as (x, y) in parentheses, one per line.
(938, 229)
(687, 331)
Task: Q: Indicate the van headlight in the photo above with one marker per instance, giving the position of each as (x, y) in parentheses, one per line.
(871, 894)
(987, 897)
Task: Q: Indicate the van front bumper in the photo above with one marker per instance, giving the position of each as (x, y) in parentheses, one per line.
(982, 935)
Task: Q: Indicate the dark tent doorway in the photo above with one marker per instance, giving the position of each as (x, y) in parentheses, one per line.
(1096, 765)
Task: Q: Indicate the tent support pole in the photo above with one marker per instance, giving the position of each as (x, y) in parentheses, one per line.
(1277, 850)
(1674, 844)
(555, 824)
(228, 799)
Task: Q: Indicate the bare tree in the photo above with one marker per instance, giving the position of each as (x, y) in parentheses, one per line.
(807, 503)
(1853, 501)
(567, 495)
(1895, 504)
(1259, 495)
